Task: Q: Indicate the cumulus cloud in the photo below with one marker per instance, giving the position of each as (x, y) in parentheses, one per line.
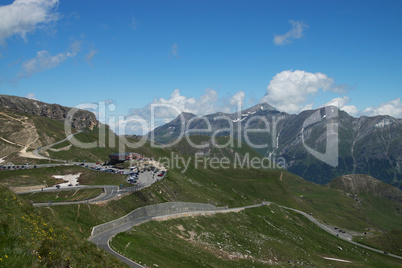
(341, 103)
(24, 16)
(289, 90)
(392, 108)
(90, 55)
(295, 33)
(165, 110)
(44, 60)
(238, 98)
(206, 104)
(31, 96)
(175, 50)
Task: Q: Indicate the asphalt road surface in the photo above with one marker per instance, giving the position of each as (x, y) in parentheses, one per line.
(102, 239)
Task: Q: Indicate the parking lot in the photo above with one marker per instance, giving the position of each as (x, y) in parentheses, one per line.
(135, 176)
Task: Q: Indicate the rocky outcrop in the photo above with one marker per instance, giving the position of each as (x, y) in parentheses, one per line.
(360, 184)
(81, 119)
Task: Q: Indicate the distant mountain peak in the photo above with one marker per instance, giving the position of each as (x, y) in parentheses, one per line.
(260, 107)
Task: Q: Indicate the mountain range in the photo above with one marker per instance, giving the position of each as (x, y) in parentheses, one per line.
(363, 145)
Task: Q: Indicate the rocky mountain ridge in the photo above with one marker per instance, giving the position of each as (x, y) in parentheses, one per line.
(363, 145)
(81, 119)
(360, 184)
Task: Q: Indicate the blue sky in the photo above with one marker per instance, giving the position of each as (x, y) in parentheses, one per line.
(202, 56)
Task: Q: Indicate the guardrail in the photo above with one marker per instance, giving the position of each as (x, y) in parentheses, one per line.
(51, 202)
(155, 210)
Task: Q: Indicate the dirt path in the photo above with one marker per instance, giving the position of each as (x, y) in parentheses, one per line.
(11, 142)
(33, 137)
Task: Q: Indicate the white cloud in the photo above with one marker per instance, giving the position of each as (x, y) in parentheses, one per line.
(392, 108)
(44, 60)
(175, 50)
(288, 91)
(24, 16)
(31, 96)
(206, 104)
(238, 98)
(90, 55)
(295, 33)
(350, 109)
(166, 110)
(341, 104)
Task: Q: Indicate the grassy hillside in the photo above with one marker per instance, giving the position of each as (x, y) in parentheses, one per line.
(237, 188)
(265, 236)
(106, 142)
(62, 196)
(30, 240)
(26, 129)
(99, 153)
(383, 200)
(389, 241)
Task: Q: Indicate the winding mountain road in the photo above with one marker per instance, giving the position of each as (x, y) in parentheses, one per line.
(36, 151)
(344, 236)
(110, 191)
(102, 240)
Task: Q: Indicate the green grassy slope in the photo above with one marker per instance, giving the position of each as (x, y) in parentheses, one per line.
(99, 152)
(237, 188)
(49, 130)
(30, 240)
(72, 195)
(258, 237)
(226, 187)
(389, 241)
